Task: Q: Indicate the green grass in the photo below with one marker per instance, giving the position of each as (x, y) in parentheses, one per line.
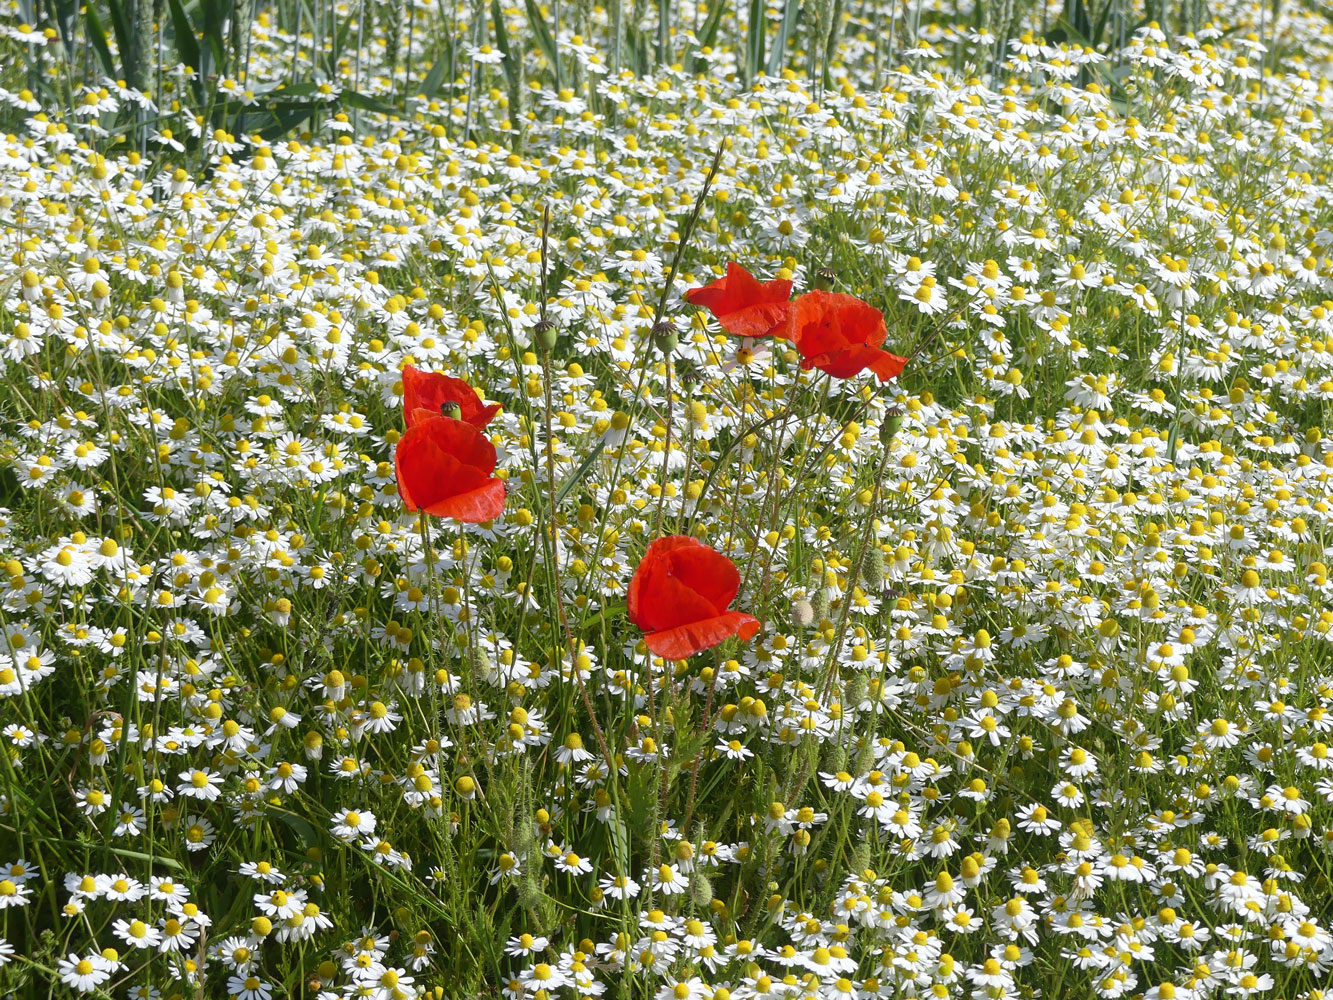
(902, 543)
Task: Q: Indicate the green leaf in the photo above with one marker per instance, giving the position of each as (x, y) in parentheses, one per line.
(121, 26)
(502, 43)
(66, 14)
(707, 34)
(277, 120)
(215, 14)
(96, 34)
(303, 830)
(431, 85)
(580, 472)
(754, 48)
(784, 33)
(545, 40)
(187, 45)
(364, 102)
(618, 835)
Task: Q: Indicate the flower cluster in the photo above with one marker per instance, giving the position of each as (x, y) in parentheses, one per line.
(434, 564)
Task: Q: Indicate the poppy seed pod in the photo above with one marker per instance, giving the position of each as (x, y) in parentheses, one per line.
(665, 337)
(545, 334)
(824, 279)
(890, 426)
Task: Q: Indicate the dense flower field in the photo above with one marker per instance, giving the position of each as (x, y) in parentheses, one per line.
(697, 534)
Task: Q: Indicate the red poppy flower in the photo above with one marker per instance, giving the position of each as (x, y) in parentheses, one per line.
(743, 305)
(428, 391)
(679, 597)
(444, 467)
(841, 335)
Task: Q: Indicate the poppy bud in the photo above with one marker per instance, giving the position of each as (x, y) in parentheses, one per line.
(701, 889)
(872, 568)
(890, 426)
(665, 337)
(824, 279)
(803, 613)
(545, 333)
(482, 665)
(819, 604)
(529, 892)
(860, 857)
(835, 754)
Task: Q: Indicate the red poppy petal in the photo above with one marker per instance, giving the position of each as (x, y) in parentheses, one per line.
(863, 323)
(485, 503)
(708, 573)
(465, 441)
(684, 641)
(813, 325)
(431, 390)
(760, 320)
(851, 361)
(440, 458)
(417, 414)
(651, 566)
(484, 416)
(739, 292)
(667, 602)
(887, 366)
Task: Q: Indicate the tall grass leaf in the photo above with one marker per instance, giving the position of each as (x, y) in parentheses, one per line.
(632, 50)
(545, 40)
(707, 34)
(95, 32)
(618, 835)
(277, 120)
(66, 15)
(754, 43)
(187, 43)
(120, 24)
(663, 29)
(785, 29)
(435, 76)
(215, 18)
(580, 472)
(364, 102)
(502, 43)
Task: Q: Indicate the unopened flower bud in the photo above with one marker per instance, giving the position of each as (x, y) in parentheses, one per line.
(701, 889)
(872, 568)
(819, 604)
